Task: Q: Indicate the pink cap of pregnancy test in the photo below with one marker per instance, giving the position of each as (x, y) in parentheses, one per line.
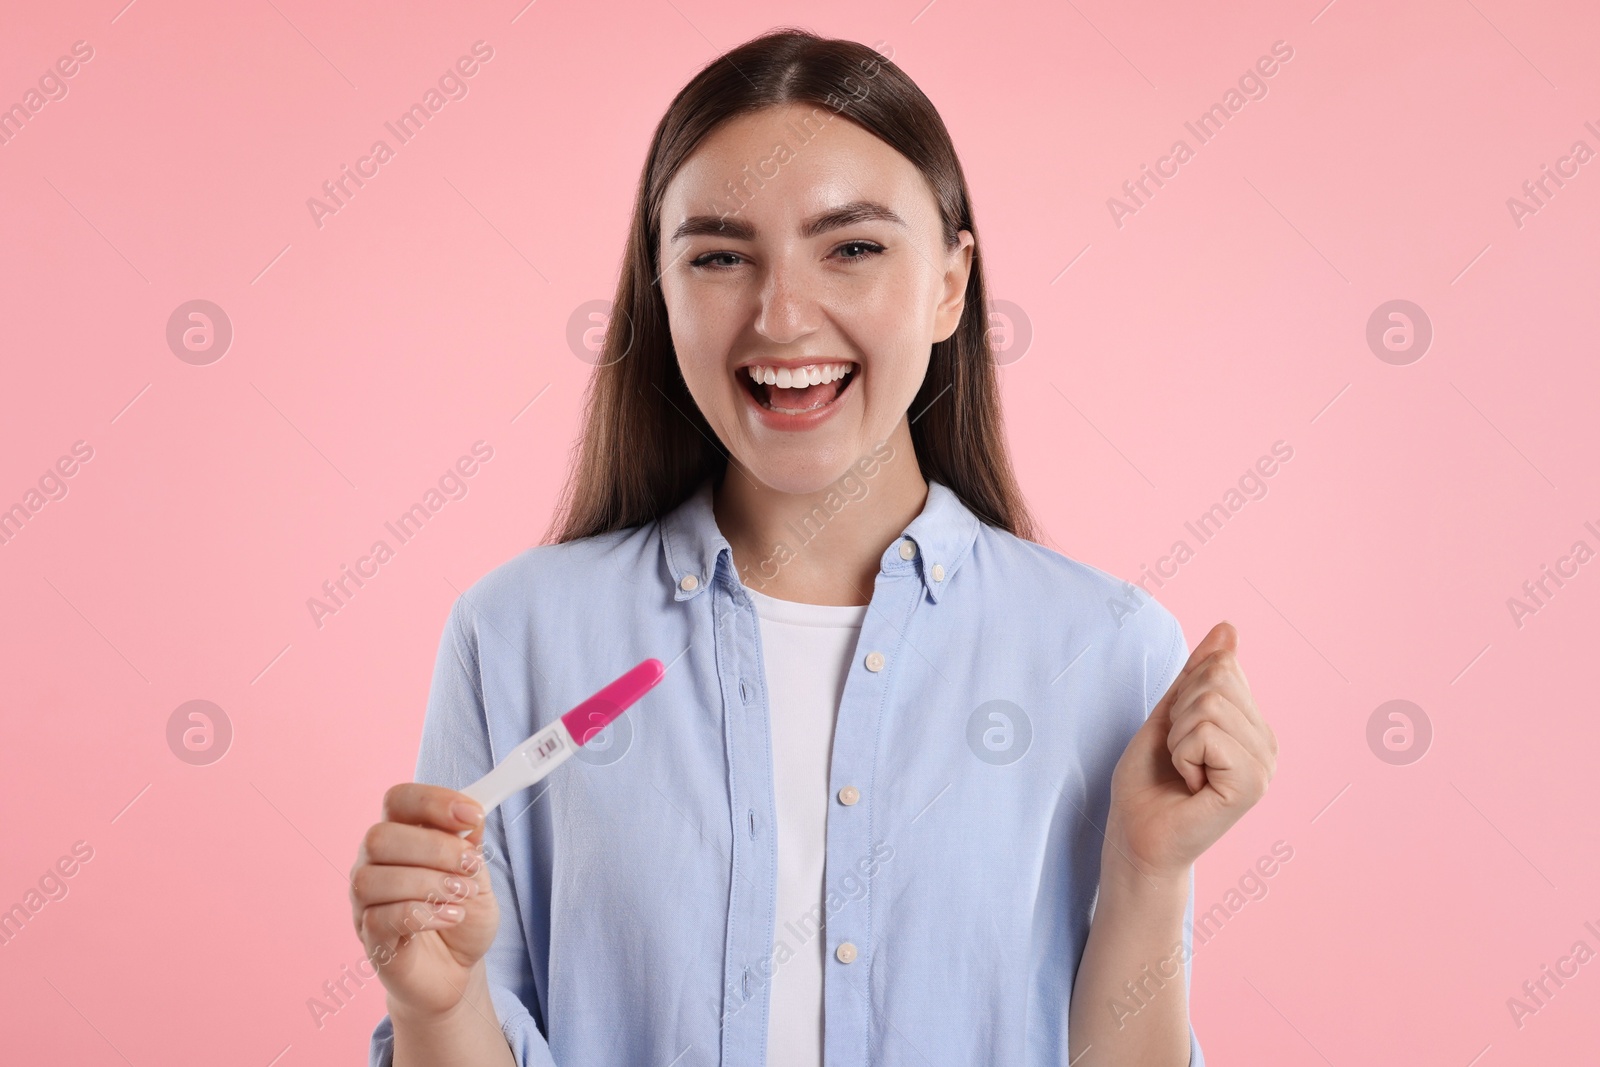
(596, 713)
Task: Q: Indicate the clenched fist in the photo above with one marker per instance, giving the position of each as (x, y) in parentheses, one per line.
(1201, 760)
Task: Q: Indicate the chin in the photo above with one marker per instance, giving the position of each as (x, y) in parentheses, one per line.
(806, 476)
(798, 482)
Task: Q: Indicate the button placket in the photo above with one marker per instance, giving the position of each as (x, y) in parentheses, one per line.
(750, 923)
(897, 595)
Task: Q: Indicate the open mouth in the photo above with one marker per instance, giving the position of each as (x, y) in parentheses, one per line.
(805, 389)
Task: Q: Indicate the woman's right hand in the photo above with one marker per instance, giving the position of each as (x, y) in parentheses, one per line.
(422, 901)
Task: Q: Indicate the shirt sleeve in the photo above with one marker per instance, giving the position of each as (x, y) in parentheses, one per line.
(455, 752)
(1175, 656)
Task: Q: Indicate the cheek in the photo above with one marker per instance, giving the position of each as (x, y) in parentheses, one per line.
(695, 336)
(701, 365)
(896, 389)
(701, 344)
(896, 305)
(890, 327)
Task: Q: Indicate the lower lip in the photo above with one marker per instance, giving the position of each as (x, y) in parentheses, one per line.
(806, 420)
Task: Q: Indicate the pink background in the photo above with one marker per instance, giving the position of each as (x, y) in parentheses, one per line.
(1229, 313)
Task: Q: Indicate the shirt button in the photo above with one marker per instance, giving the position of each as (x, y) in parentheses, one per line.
(874, 661)
(849, 795)
(689, 583)
(846, 953)
(938, 572)
(908, 548)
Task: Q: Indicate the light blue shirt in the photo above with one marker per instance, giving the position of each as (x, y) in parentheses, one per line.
(995, 686)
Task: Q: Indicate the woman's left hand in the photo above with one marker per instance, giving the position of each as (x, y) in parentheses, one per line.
(1201, 760)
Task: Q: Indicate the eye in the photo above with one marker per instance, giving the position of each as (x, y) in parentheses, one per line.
(706, 263)
(867, 249)
(854, 252)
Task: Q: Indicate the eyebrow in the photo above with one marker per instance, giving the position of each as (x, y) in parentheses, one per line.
(735, 228)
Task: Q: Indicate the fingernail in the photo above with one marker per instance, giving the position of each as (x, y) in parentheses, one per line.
(471, 860)
(452, 913)
(470, 814)
(455, 887)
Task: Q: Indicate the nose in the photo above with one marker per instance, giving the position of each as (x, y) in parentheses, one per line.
(789, 308)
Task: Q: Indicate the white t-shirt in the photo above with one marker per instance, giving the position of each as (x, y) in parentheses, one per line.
(807, 650)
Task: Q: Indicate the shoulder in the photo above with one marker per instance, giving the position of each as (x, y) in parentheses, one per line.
(554, 579)
(1127, 624)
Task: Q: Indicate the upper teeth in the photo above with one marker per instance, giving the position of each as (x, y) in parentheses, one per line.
(798, 377)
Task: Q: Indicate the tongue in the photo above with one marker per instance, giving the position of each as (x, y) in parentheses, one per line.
(803, 398)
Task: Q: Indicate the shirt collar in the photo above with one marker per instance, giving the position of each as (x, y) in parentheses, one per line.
(940, 540)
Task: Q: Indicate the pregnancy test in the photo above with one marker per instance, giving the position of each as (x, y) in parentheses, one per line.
(548, 749)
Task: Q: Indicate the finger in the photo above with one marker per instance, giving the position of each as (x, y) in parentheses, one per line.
(1208, 756)
(1218, 677)
(388, 925)
(1216, 709)
(430, 858)
(1222, 635)
(1221, 672)
(375, 884)
(437, 806)
(1199, 755)
(418, 846)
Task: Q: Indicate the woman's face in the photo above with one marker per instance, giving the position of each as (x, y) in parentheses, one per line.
(795, 242)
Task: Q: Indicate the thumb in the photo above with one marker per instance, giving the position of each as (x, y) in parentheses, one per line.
(1224, 635)
(1221, 636)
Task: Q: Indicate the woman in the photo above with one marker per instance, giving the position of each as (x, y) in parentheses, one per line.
(914, 789)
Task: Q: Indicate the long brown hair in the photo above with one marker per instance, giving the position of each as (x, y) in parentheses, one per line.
(646, 446)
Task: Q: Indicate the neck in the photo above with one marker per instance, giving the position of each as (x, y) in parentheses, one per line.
(821, 547)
